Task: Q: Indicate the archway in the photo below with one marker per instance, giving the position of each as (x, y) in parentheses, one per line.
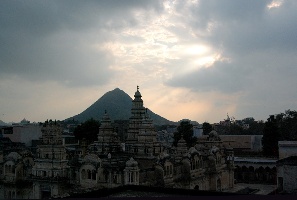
(93, 175)
(261, 173)
(267, 174)
(89, 174)
(251, 174)
(219, 187)
(237, 174)
(83, 174)
(245, 174)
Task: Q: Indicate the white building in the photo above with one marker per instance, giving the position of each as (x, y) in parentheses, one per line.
(24, 133)
(197, 130)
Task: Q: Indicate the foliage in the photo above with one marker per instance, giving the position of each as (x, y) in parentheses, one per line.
(235, 129)
(271, 137)
(88, 130)
(185, 128)
(287, 123)
(248, 120)
(255, 128)
(206, 128)
(278, 127)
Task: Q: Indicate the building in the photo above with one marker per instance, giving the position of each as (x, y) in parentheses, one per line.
(286, 175)
(255, 170)
(198, 130)
(240, 143)
(287, 167)
(51, 169)
(23, 133)
(287, 149)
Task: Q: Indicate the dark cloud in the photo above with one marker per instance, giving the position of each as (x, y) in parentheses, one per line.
(55, 40)
(252, 36)
(246, 26)
(261, 47)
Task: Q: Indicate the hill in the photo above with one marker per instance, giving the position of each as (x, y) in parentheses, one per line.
(2, 123)
(118, 105)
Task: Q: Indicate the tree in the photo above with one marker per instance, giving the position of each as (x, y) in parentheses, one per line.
(185, 128)
(288, 125)
(271, 136)
(206, 128)
(235, 129)
(88, 130)
(278, 127)
(255, 128)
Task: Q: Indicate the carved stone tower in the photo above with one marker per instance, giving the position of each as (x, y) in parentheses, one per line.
(141, 141)
(108, 141)
(51, 162)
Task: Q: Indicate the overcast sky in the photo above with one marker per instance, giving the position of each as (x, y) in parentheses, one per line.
(198, 59)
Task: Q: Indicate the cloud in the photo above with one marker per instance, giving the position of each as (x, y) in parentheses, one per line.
(249, 36)
(55, 40)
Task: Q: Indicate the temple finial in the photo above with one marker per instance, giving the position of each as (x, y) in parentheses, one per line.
(105, 111)
(137, 87)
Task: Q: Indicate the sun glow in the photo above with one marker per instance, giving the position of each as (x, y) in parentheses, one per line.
(275, 4)
(197, 50)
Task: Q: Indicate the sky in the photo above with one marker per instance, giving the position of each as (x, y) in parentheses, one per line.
(192, 59)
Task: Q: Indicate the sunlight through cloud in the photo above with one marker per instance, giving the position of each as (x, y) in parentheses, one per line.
(275, 4)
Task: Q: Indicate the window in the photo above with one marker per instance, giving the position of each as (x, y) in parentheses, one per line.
(115, 178)
(129, 178)
(93, 175)
(83, 174)
(89, 174)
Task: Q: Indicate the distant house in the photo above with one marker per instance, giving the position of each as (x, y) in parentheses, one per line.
(23, 132)
(197, 130)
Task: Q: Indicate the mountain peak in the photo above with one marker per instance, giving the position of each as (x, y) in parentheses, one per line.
(2, 123)
(117, 89)
(118, 104)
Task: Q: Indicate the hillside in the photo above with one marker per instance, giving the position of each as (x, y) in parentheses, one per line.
(118, 105)
(2, 123)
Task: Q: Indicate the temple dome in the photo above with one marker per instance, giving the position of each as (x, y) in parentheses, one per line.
(192, 150)
(131, 163)
(137, 93)
(164, 155)
(213, 133)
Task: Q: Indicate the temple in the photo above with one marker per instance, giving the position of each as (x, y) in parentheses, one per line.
(109, 163)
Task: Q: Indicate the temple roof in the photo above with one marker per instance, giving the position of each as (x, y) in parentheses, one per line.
(137, 93)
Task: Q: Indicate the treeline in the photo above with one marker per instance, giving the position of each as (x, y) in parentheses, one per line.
(279, 127)
(255, 128)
